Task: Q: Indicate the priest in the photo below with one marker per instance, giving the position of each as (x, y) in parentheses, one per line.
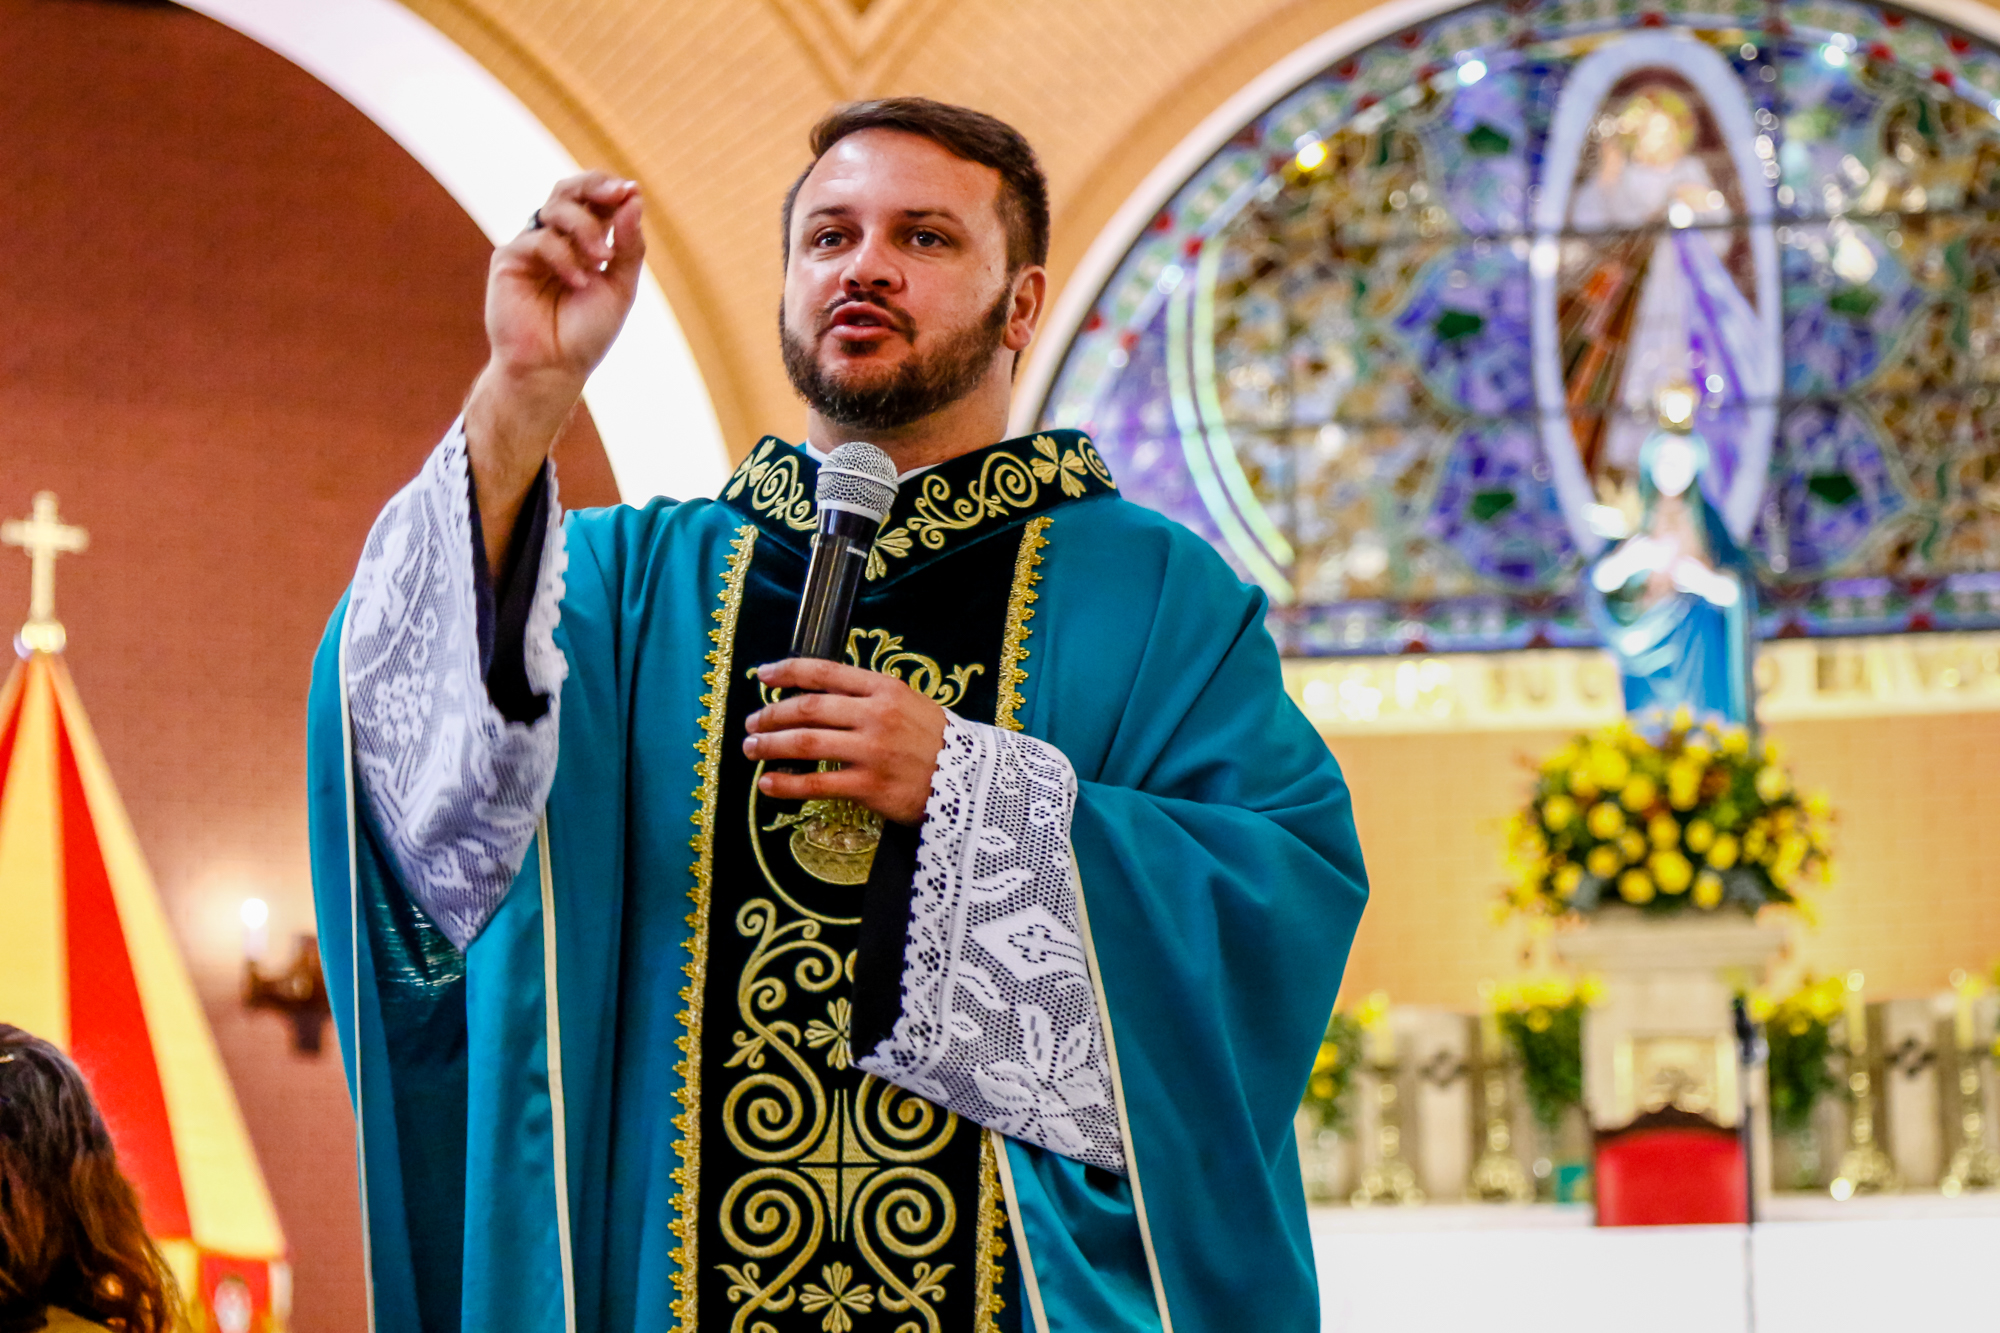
(969, 984)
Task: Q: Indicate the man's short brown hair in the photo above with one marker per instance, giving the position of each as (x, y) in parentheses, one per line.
(972, 135)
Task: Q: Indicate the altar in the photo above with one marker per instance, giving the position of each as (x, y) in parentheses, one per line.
(1814, 1266)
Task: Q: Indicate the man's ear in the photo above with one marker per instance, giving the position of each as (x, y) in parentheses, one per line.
(1031, 289)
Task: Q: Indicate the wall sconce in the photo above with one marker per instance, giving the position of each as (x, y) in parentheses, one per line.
(299, 992)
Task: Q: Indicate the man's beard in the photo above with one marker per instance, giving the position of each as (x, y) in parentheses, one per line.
(921, 385)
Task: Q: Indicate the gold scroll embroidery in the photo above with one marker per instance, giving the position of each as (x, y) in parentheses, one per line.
(715, 703)
(1020, 610)
(844, 1165)
(1006, 485)
(772, 478)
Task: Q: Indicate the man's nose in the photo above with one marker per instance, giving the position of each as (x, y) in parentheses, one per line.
(872, 265)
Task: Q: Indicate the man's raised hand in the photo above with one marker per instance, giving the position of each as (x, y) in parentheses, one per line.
(885, 734)
(556, 296)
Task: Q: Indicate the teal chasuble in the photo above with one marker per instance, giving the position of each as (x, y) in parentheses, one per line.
(630, 1104)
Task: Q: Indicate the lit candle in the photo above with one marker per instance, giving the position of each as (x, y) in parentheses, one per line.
(1382, 1036)
(1489, 1024)
(255, 915)
(1962, 1024)
(1857, 1014)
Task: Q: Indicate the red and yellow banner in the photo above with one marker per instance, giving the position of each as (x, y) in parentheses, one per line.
(87, 961)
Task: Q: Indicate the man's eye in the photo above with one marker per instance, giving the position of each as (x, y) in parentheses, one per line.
(929, 240)
(827, 238)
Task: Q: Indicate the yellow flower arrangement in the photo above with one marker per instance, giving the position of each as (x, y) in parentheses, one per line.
(1699, 819)
(1796, 1026)
(1541, 1018)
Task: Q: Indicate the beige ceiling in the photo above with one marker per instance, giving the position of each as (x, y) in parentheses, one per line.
(707, 104)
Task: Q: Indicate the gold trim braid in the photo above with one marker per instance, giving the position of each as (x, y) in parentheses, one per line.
(992, 1221)
(715, 702)
(988, 1245)
(1020, 610)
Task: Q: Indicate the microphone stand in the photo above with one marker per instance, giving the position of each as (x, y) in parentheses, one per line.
(1750, 1052)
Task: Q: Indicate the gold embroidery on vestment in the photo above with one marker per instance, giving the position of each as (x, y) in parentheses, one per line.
(1020, 610)
(841, 1166)
(1006, 485)
(772, 477)
(715, 705)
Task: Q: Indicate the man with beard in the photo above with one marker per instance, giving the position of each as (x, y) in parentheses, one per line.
(983, 994)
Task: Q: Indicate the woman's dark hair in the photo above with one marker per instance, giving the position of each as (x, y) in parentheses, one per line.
(972, 135)
(70, 1234)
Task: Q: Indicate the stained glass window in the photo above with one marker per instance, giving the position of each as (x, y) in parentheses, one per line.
(1393, 348)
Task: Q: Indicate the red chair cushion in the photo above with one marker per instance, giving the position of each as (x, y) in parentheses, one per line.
(1670, 1177)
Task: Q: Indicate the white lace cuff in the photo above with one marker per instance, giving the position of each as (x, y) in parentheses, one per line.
(455, 788)
(999, 1021)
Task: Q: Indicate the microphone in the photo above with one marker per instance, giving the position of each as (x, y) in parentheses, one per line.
(857, 484)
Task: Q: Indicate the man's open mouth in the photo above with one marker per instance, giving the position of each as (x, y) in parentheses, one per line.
(851, 317)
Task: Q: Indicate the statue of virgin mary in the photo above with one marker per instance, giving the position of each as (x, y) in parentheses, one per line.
(1676, 600)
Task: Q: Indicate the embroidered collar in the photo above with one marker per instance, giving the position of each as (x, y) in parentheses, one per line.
(940, 510)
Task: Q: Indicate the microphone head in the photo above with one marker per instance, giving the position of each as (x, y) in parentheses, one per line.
(859, 478)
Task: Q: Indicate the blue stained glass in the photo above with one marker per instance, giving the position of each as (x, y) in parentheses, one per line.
(1393, 347)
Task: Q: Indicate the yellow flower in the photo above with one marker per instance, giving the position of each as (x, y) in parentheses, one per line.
(1567, 878)
(1684, 784)
(1772, 782)
(1700, 836)
(1756, 843)
(1557, 812)
(1590, 990)
(1818, 806)
(1683, 719)
(1635, 886)
(1604, 861)
(1632, 844)
(1605, 821)
(1609, 767)
(1538, 1020)
(1581, 784)
(1762, 1006)
(1735, 742)
(1562, 760)
(1773, 752)
(1723, 854)
(1672, 871)
(1640, 793)
(1664, 830)
(1707, 890)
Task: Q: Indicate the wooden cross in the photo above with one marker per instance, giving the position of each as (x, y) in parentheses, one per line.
(43, 537)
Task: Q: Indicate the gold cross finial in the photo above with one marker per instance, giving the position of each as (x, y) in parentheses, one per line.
(43, 537)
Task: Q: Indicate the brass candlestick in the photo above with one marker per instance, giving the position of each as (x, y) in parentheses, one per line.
(1974, 1166)
(1864, 1167)
(1498, 1176)
(1388, 1179)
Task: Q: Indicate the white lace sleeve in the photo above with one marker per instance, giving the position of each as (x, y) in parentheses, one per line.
(999, 1020)
(455, 788)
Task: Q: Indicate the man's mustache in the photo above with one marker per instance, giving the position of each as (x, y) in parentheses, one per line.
(895, 318)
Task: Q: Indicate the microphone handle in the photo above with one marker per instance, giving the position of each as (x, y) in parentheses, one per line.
(833, 580)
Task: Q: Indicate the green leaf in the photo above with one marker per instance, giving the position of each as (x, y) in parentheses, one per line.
(1489, 505)
(1485, 141)
(1854, 302)
(1455, 324)
(1835, 488)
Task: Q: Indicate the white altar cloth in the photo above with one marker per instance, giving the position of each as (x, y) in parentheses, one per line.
(1874, 1265)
